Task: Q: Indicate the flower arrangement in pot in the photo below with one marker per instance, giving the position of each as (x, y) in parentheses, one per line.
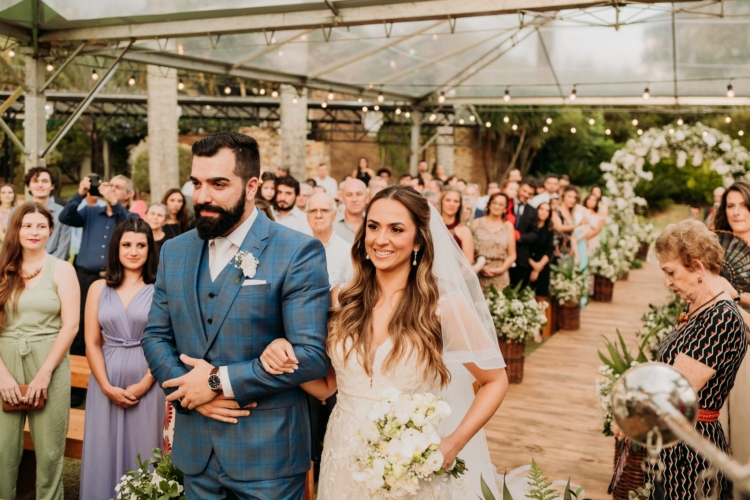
(607, 264)
(165, 482)
(517, 316)
(646, 234)
(658, 322)
(568, 286)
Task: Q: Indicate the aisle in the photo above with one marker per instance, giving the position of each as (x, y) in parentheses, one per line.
(552, 415)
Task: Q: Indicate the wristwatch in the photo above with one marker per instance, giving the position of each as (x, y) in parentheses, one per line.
(214, 381)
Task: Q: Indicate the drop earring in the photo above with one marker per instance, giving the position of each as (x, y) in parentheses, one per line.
(367, 256)
(414, 263)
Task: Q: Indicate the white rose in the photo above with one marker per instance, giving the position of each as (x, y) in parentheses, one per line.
(434, 461)
(249, 266)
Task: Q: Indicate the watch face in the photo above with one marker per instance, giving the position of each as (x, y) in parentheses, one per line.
(214, 382)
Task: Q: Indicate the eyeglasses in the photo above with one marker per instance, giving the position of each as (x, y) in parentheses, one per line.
(320, 211)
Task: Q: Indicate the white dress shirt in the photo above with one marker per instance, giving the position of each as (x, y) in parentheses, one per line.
(295, 219)
(329, 184)
(221, 251)
(338, 260)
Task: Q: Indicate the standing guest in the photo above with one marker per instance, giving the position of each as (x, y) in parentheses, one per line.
(325, 180)
(603, 208)
(551, 188)
(439, 173)
(98, 225)
(305, 191)
(405, 180)
(710, 213)
(423, 171)
(510, 188)
(124, 189)
(177, 214)
(431, 197)
(267, 190)
(321, 214)
(376, 185)
(515, 176)
(542, 251)
(526, 234)
(494, 239)
(137, 206)
(452, 181)
(436, 186)
(282, 172)
(480, 207)
(156, 216)
(694, 212)
(285, 205)
(567, 221)
(128, 407)
(472, 191)
(707, 346)
(38, 321)
(418, 183)
(539, 187)
(467, 211)
(77, 232)
(595, 223)
(563, 182)
(451, 208)
(386, 174)
(311, 182)
(461, 185)
(363, 172)
(41, 182)
(7, 202)
(354, 198)
(316, 190)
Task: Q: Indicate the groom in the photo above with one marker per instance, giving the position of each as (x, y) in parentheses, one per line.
(210, 321)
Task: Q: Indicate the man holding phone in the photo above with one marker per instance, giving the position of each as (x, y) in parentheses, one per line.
(98, 224)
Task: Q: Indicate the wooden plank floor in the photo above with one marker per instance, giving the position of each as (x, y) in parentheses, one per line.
(552, 415)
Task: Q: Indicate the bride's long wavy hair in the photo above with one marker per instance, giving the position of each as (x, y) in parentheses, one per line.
(414, 323)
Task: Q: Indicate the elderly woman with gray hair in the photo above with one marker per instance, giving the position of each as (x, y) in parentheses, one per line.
(706, 345)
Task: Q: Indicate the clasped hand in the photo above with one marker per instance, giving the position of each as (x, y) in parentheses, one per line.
(192, 388)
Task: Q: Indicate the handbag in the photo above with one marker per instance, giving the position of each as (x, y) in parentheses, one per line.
(23, 406)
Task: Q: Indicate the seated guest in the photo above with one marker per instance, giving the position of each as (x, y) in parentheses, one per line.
(39, 317)
(451, 208)
(285, 205)
(305, 191)
(156, 215)
(126, 406)
(353, 195)
(526, 233)
(177, 214)
(495, 240)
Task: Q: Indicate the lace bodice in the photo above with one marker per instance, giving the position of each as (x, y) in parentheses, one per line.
(356, 393)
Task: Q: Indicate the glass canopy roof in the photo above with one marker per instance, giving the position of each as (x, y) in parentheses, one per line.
(697, 49)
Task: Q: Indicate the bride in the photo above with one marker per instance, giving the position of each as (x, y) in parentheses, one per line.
(413, 318)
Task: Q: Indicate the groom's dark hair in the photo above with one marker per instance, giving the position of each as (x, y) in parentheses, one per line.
(244, 147)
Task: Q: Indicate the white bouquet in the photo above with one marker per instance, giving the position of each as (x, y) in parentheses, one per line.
(398, 445)
(164, 482)
(659, 322)
(515, 312)
(568, 283)
(609, 260)
(646, 233)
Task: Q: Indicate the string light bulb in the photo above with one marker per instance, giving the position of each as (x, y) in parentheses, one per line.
(679, 121)
(506, 97)
(730, 91)
(433, 117)
(634, 122)
(324, 105)
(573, 95)
(488, 124)
(545, 129)
(381, 98)
(591, 121)
(461, 121)
(398, 111)
(11, 53)
(376, 107)
(671, 131)
(573, 130)
(646, 94)
(741, 133)
(472, 118)
(364, 109)
(131, 80)
(227, 90)
(407, 114)
(728, 119)
(514, 127)
(330, 94)
(294, 100)
(640, 132)
(262, 91)
(549, 121)
(180, 85)
(608, 132)
(94, 75)
(359, 100)
(506, 119)
(275, 93)
(441, 97)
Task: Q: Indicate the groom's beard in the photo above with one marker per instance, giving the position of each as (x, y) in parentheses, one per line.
(210, 228)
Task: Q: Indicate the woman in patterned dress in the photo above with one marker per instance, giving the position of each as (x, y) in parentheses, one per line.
(707, 346)
(495, 240)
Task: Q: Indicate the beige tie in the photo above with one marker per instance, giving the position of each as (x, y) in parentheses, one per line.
(219, 256)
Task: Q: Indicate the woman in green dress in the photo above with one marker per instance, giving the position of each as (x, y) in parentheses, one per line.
(39, 313)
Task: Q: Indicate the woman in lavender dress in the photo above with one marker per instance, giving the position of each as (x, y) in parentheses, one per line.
(124, 408)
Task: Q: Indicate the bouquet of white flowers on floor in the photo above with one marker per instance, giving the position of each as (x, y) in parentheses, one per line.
(609, 261)
(164, 482)
(646, 233)
(568, 283)
(515, 312)
(398, 445)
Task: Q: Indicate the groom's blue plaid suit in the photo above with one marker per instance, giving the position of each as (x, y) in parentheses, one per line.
(274, 441)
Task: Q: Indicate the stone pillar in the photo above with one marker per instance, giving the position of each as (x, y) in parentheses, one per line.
(416, 116)
(35, 122)
(445, 151)
(293, 131)
(163, 166)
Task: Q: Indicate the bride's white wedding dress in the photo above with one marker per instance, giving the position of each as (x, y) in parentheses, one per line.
(356, 393)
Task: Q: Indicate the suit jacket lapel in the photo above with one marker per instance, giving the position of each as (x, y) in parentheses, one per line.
(192, 275)
(255, 244)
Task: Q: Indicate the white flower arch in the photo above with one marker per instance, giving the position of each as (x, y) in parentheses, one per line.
(695, 143)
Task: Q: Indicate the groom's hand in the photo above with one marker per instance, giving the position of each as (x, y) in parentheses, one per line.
(224, 410)
(192, 388)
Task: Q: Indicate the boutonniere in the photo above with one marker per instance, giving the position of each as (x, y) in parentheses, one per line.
(247, 263)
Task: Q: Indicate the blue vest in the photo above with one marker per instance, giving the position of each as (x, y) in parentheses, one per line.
(208, 291)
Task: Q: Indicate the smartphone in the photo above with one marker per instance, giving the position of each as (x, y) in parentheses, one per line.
(95, 183)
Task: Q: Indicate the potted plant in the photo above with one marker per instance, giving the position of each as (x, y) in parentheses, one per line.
(517, 315)
(616, 362)
(165, 482)
(606, 265)
(646, 234)
(658, 322)
(568, 286)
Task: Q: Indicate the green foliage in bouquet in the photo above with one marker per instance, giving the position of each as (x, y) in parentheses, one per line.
(141, 484)
(618, 362)
(540, 485)
(516, 313)
(658, 322)
(568, 283)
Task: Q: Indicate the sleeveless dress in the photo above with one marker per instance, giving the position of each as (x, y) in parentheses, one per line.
(356, 393)
(114, 436)
(716, 338)
(493, 246)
